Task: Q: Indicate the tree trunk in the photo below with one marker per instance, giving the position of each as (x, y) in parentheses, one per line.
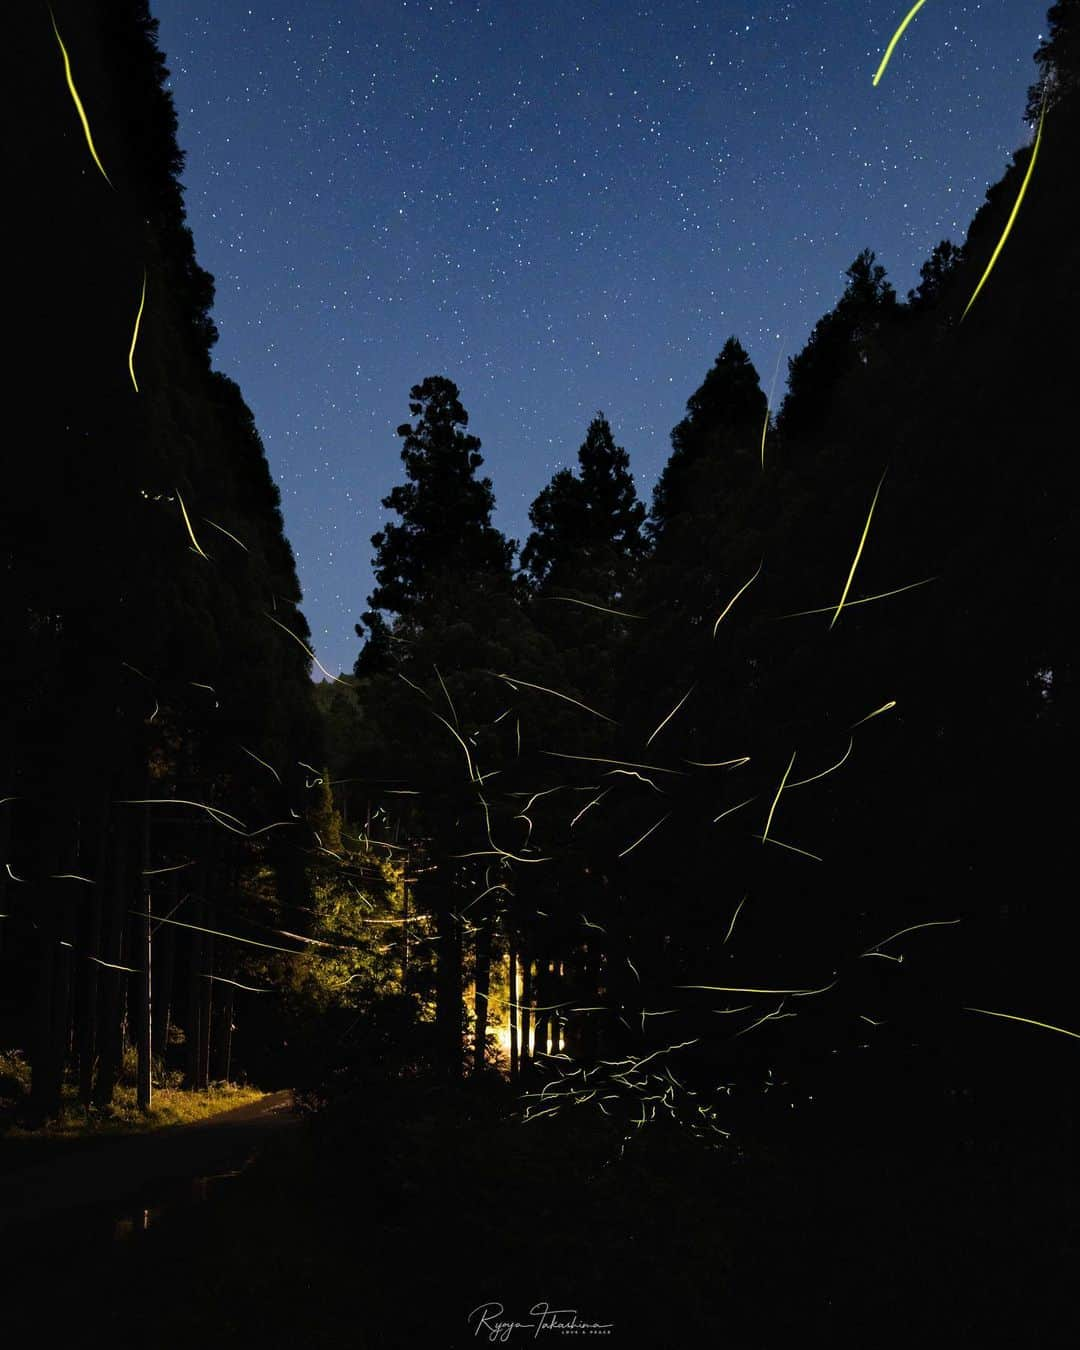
(542, 1017)
(514, 1013)
(111, 988)
(525, 1054)
(144, 943)
(164, 965)
(206, 1015)
(98, 848)
(223, 1036)
(449, 992)
(483, 988)
(193, 1032)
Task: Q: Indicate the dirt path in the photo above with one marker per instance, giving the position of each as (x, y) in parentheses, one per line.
(106, 1170)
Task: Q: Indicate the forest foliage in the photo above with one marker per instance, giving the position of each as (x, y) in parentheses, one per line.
(751, 788)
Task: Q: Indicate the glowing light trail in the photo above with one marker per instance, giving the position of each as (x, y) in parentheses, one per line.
(644, 836)
(884, 708)
(602, 608)
(895, 39)
(1009, 223)
(790, 847)
(225, 532)
(625, 763)
(176, 923)
(307, 649)
(858, 554)
(739, 592)
(742, 989)
(1011, 1017)
(731, 925)
(263, 762)
(671, 714)
(191, 532)
(77, 100)
(865, 600)
(513, 682)
(914, 928)
(780, 789)
(135, 334)
(803, 781)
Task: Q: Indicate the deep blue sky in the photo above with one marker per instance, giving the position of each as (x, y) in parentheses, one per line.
(563, 207)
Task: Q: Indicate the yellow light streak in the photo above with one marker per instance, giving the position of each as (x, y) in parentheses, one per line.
(731, 809)
(77, 100)
(790, 847)
(644, 836)
(216, 932)
(513, 682)
(633, 773)
(743, 989)
(718, 763)
(731, 925)
(625, 763)
(191, 532)
(1013, 215)
(178, 801)
(588, 805)
(333, 678)
(251, 989)
(414, 686)
(135, 334)
(803, 781)
(858, 553)
(602, 608)
(884, 708)
(864, 600)
(671, 714)
(739, 592)
(914, 928)
(1031, 1021)
(225, 532)
(453, 710)
(780, 789)
(895, 39)
(263, 762)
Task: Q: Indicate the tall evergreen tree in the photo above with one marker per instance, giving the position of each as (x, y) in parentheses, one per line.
(841, 341)
(715, 443)
(587, 528)
(445, 531)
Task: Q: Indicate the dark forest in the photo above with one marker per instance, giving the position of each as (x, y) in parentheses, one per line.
(664, 925)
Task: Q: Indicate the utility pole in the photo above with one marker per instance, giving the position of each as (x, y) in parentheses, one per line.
(145, 1081)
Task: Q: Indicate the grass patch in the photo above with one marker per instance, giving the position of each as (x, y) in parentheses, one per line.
(171, 1105)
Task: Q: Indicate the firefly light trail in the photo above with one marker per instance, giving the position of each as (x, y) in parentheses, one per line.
(858, 553)
(77, 100)
(135, 334)
(895, 39)
(1016, 207)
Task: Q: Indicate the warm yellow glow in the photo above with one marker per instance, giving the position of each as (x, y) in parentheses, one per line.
(77, 100)
(895, 39)
(1012, 217)
(135, 334)
(743, 587)
(1011, 1017)
(858, 553)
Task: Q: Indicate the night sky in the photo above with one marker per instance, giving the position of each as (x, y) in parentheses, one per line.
(564, 207)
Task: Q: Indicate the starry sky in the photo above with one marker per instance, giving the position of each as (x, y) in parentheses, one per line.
(565, 207)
